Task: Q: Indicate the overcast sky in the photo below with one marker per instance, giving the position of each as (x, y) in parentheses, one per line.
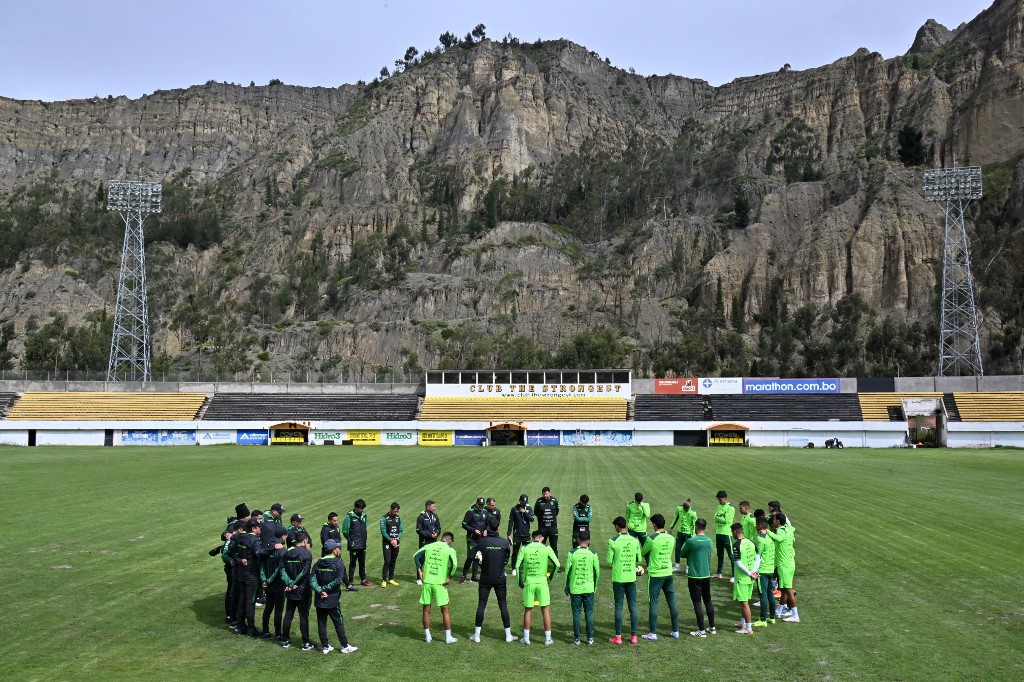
(63, 49)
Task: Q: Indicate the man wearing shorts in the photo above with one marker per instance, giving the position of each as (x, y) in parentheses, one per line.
(535, 570)
(436, 563)
(785, 564)
(745, 558)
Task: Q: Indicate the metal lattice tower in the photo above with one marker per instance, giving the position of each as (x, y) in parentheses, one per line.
(959, 347)
(129, 346)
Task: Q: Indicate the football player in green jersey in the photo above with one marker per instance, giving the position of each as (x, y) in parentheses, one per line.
(659, 549)
(581, 573)
(537, 563)
(747, 561)
(624, 558)
(436, 563)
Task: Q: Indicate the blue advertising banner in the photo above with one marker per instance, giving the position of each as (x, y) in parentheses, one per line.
(140, 437)
(470, 437)
(252, 437)
(543, 438)
(597, 437)
(777, 386)
(177, 438)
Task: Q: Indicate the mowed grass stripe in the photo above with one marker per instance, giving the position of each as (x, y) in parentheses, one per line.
(898, 551)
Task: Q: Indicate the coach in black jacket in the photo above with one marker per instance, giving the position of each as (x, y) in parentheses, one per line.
(245, 550)
(428, 526)
(519, 521)
(298, 563)
(475, 523)
(495, 553)
(326, 581)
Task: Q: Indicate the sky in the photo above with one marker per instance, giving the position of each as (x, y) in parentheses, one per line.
(67, 49)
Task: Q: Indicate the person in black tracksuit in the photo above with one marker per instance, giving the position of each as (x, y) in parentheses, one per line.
(391, 532)
(519, 521)
(495, 552)
(238, 520)
(245, 552)
(546, 509)
(270, 525)
(330, 531)
(428, 526)
(475, 523)
(492, 511)
(354, 530)
(298, 563)
(272, 580)
(328, 575)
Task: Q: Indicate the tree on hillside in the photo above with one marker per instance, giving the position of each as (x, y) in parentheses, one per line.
(911, 146)
(384, 72)
(479, 32)
(410, 55)
(448, 39)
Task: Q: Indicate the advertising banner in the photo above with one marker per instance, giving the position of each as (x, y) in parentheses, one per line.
(597, 438)
(320, 437)
(470, 437)
(140, 437)
(675, 386)
(398, 438)
(366, 437)
(720, 385)
(778, 386)
(543, 438)
(436, 438)
(252, 437)
(580, 390)
(217, 438)
(157, 437)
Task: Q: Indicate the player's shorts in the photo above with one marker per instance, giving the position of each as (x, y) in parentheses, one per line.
(786, 576)
(536, 594)
(742, 591)
(436, 593)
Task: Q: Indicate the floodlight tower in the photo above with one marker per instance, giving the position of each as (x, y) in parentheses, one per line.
(129, 346)
(959, 347)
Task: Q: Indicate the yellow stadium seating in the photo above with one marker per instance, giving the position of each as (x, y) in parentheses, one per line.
(107, 406)
(521, 409)
(874, 406)
(990, 407)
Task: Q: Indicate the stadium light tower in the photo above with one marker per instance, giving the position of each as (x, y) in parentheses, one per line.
(129, 346)
(959, 347)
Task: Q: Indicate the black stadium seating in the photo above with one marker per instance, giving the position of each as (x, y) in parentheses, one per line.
(724, 408)
(304, 407)
(6, 401)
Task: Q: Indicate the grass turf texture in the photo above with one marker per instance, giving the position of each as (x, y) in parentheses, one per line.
(908, 561)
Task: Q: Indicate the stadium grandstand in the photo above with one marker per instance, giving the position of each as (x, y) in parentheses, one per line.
(107, 406)
(885, 407)
(307, 407)
(524, 409)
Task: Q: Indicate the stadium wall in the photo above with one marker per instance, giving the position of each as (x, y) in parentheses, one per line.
(984, 434)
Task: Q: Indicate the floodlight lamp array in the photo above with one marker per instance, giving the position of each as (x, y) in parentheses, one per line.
(951, 184)
(144, 197)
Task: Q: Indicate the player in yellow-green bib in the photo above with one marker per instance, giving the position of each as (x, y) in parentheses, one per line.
(582, 570)
(686, 517)
(624, 558)
(747, 561)
(660, 549)
(766, 550)
(725, 514)
(537, 563)
(785, 564)
(436, 563)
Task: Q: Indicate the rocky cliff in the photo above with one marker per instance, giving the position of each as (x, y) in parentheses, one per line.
(504, 191)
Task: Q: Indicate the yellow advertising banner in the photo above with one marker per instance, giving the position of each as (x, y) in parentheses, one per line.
(364, 437)
(437, 438)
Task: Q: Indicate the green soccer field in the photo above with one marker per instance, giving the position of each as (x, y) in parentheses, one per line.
(908, 561)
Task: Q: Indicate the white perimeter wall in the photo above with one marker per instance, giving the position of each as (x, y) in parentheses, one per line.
(13, 437)
(69, 437)
(653, 438)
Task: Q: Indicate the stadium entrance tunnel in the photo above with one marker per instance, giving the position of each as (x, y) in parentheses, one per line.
(690, 438)
(727, 434)
(509, 433)
(289, 433)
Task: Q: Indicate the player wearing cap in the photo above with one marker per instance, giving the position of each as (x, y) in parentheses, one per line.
(494, 554)
(725, 513)
(546, 510)
(295, 527)
(582, 569)
(537, 563)
(330, 530)
(475, 523)
(436, 563)
(328, 575)
(391, 534)
(637, 513)
(685, 517)
(747, 560)
(624, 558)
(235, 523)
(659, 549)
(519, 521)
(353, 528)
(428, 526)
(298, 562)
(582, 514)
(697, 552)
